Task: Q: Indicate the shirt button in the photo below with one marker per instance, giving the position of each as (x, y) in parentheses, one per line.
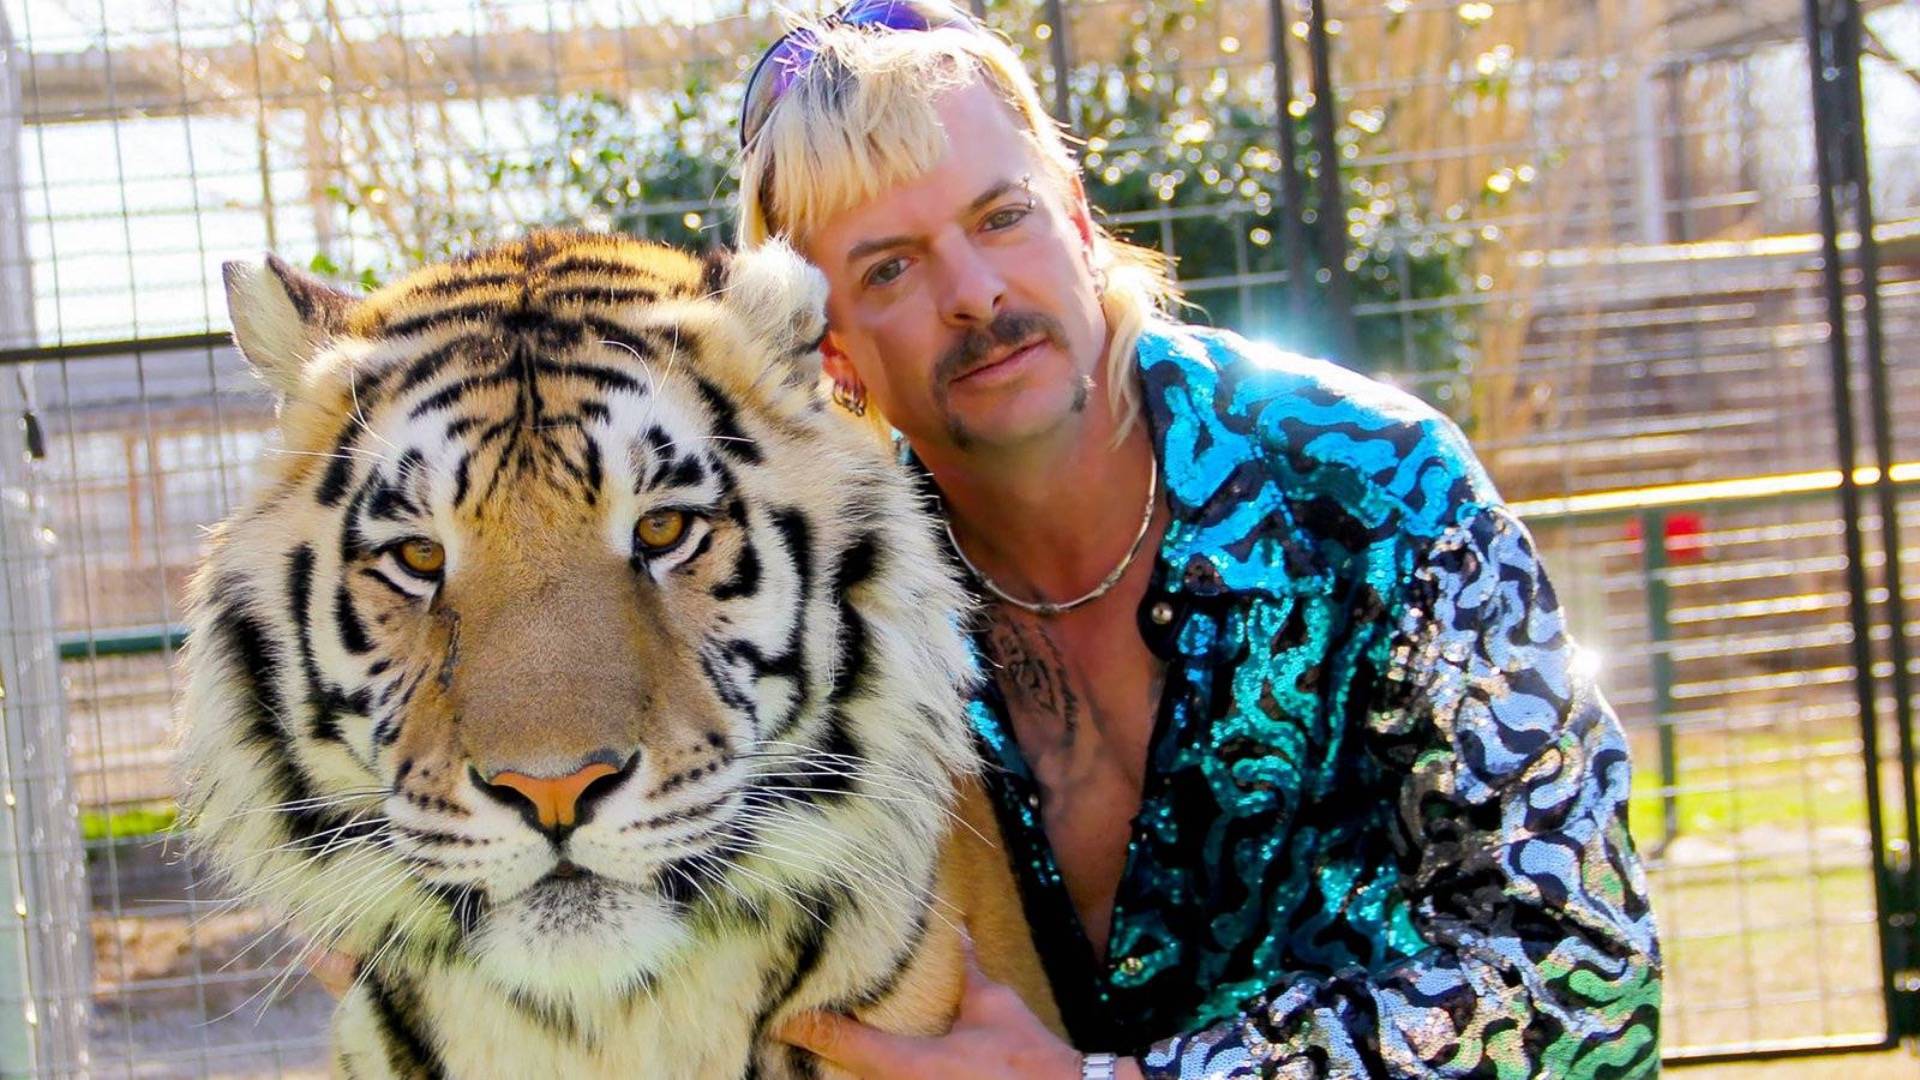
(1161, 613)
(1132, 965)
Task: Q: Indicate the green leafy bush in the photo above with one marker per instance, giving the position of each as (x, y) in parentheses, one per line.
(1179, 157)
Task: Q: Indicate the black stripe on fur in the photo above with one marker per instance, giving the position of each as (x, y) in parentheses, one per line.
(551, 1017)
(376, 575)
(429, 364)
(883, 987)
(595, 471)
(353, 632)
(462, 475)
(852, 643)
(326, 724)
(735, 697)
(483, 310)
(608, 294)
(796, 534)
(608, 332)
(451, 394)
(600, 375)
(339, 475)
(806, 944)
(466, 905)
(659, 452)
(581, 262)
(686, 472)
(245, 641)
(745, 580)
(459, 283)
(398, 1011)
(731, 438)
(387, 497)
(829, 779)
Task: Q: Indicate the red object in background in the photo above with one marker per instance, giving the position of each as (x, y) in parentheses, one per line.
(1686, 536)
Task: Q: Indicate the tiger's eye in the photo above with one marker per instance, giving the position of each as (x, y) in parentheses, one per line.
(423, 557)
(660, 530)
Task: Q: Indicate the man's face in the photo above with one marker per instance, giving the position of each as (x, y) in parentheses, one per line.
(963, 300)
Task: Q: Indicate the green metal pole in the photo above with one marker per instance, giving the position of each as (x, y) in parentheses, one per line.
(1828, 60)
(1653, 564)
(131, 642)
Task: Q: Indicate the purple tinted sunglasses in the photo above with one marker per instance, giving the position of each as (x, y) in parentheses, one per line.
(788, 58)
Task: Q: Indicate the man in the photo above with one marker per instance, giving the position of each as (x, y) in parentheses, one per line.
(1293, 760)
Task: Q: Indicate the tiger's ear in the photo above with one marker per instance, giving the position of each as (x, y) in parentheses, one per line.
(780, 301)
(282, 317)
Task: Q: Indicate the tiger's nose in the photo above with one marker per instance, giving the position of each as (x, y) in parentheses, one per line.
(556, 805)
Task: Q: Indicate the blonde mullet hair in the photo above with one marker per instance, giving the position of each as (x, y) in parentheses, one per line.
(861, 120)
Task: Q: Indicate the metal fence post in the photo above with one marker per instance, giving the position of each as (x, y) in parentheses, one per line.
(1293, 194)
(1057, 46)
(1905, 919)
(1342, 337)
(1653, 566)
(1833, 66)
(45, 946)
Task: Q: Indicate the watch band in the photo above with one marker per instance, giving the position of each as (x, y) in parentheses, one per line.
(1097, 1067)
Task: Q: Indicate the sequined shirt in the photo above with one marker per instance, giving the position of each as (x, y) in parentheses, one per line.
(1383, 828)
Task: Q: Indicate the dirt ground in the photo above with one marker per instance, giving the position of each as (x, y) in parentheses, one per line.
(1892, 1065)
(1765, 898)
(178, 996)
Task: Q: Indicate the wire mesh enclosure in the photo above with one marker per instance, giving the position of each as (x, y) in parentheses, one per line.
(1593, 231)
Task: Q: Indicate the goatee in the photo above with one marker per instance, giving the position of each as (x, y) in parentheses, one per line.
(1007, 328)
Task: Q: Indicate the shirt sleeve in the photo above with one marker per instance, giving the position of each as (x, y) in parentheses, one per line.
(1542, 958)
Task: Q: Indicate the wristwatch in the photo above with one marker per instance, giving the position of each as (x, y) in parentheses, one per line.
(1097, 1067)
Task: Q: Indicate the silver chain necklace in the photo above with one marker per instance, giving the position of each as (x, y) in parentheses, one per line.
(1045, 607)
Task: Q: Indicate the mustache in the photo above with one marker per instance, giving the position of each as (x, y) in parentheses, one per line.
(1007, 328)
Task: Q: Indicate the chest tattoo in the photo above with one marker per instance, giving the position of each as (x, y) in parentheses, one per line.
(1032, 673)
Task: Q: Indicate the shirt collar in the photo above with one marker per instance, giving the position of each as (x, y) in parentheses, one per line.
(1233, 532)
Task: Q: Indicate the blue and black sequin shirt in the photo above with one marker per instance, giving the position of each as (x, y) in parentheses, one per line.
(1383, 826)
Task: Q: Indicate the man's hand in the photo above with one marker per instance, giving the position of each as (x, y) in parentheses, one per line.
(995, 1037)
(333, 970)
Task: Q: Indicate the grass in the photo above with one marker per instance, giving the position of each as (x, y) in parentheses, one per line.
(1727, 781)
(1765, 896)
(126, 823)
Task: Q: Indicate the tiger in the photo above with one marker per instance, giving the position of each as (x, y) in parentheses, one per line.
(581, 673)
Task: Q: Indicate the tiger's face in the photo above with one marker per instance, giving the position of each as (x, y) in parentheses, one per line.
(567, 625)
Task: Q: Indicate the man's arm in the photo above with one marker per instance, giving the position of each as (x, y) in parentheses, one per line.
(1514, 852)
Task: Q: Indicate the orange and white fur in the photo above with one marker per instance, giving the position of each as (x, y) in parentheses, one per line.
(581, 674)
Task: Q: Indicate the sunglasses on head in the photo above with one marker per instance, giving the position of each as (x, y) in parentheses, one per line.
(788, 58)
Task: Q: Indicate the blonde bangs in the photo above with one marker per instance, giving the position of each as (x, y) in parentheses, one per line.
(860, 122)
